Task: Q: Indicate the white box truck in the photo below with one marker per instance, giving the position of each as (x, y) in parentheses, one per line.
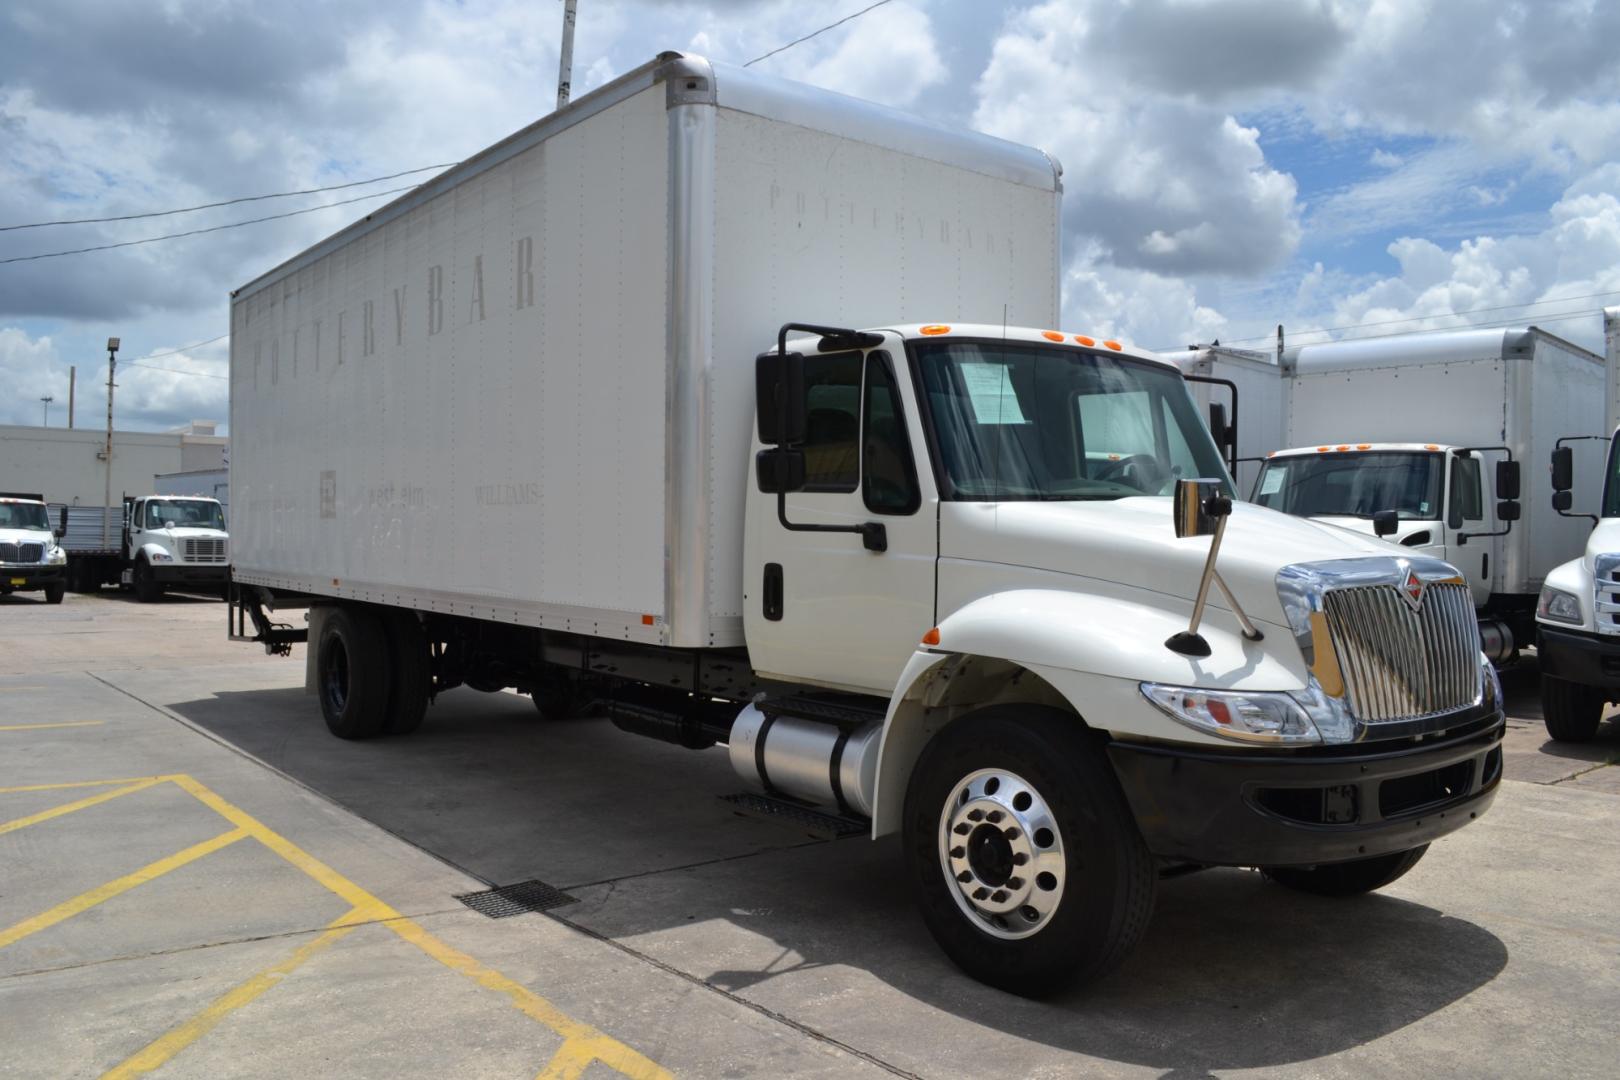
(711, 397)
(147, 544)
(1419, 438)
(1578, 614)
(30, 558)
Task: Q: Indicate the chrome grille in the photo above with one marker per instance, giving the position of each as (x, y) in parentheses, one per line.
(1606, 582)
(1401, 663)
(204, 549)
(21, 552)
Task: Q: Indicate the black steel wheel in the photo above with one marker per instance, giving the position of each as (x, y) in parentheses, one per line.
(55, 591)
(1347, 878)
(147, 589)
(352, 673)
(410, 679)
(1571, 711)
(1024, 857)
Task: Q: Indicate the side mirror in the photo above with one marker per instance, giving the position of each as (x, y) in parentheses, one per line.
(1562, 501)
(1563, 469)
(1507, 481)
(779, 398)
(1225, 436)
(1385, 522)
(780, 469)
(1199, 504)
(1508, 510)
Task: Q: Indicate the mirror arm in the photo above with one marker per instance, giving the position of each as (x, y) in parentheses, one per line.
(1190, 642)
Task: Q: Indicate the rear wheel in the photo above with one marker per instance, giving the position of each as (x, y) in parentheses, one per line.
(54, 592)
(409, 679)
(1024, 857)
(1347, 878)
(1571, 711)
(352, 673)
(147, 589)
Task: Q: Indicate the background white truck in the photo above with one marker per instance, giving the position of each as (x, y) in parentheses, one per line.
(149, 544)
(944, 576)
(1579, 609)
(30, 558)
(1410, 437)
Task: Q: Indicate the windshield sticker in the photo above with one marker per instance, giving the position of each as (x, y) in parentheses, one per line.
(991, 392)
(1272, 481)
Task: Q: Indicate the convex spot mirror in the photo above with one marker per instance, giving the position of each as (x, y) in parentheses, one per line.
(779, 398)
(1385, 522)
(1563, 472)
(1199, 506)
(1562, 500)
(1507, 510)
(1507, 481)
(780, 468)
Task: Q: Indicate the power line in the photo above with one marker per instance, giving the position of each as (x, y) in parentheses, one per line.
(199, 232)
(225, 202)
(173, 371)
(818, 33)
(183, 348)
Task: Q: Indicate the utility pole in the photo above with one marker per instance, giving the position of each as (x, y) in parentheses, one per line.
(565, 67)
(73, 382)
(106, 513)
(45, 407)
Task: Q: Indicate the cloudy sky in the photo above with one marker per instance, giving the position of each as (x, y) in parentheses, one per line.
(1228, 164)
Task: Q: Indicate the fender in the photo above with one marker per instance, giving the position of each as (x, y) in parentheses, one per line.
(1092, 651)
(148, 549)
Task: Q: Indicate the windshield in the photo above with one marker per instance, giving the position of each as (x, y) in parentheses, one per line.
(1021, 422)
(184, 514)
(1611, 482)
(1353, 484)
(14, 515)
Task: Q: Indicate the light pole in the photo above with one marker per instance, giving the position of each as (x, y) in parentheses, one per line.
(45, 403)
(565, 64)
(106, 513)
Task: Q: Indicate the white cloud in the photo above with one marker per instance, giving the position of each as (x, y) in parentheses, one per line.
(1384, 159)
(27, 366)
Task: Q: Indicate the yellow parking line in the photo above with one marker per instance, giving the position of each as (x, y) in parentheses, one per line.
(80, 783)
(68, 808)
(101, 893)
(161, 1050)
(583, 1043)
(37, 727)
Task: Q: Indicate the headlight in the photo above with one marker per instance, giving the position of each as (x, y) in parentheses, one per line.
(1493, 683)
(159, 556)
(56, 556)
(1556, 605)
(1246, 717)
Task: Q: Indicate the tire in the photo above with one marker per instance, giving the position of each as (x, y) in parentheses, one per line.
(1346, 878)
(352, 673)
(147, 591)
(558, 696)
(1571, 711)
(54, 592)
(1091, 895)
(409, 678)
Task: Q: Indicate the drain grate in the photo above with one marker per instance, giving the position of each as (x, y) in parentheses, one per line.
(519, 899)
(817, 824)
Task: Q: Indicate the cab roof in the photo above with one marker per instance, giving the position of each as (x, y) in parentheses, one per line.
(958, 331)
(1365, 447)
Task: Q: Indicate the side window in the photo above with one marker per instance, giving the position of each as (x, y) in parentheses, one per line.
(832, 445)
(888, 475)
(1467, 502)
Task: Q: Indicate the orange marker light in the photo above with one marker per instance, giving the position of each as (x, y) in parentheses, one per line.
(1341, 448)
(1082, 339)
(1322, 449)
(932, 637)
(647, 620)
(933, 329)
(1051, 335)
(1116, 346)
(1364, 446)
(1430, 446)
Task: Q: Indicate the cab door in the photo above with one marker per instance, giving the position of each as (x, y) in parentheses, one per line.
(824, 607)
(1466, 516)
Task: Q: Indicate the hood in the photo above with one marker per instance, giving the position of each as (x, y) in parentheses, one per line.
(27, 536)
(1133, 542)
(1605, 540)
(182, 531)
(1404, 529)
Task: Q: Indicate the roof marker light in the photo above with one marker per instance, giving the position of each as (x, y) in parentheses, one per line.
(1323, 449)
(1051, 335)
(1116, 346)
(1430, 446)
(1082, 339)
(1364, 446)
(933, 329)
(1341, 448)
(932, 637)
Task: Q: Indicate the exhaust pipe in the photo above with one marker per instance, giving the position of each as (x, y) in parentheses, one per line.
(816, 762)
(1496, 639)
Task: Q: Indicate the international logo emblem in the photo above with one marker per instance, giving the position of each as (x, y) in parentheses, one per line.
(1412, 588)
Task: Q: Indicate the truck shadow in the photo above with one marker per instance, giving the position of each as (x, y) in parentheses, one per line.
(1234, 972)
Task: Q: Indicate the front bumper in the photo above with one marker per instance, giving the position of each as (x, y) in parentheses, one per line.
(30, 576)
(189, 574)
(1579, 657)
(1246, 808)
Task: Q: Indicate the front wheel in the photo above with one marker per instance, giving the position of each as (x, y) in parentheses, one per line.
(147, 589)
(55, 591)
(1024, 857)
(1347, 878)
(1570, 711)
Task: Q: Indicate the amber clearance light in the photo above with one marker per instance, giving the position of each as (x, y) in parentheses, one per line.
(934, 329)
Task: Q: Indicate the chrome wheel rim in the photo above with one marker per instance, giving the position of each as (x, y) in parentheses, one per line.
(1002, 853)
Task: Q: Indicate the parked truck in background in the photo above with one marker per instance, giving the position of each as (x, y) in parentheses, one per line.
(1420, 439)
(30, 558)
(148, 544)
(1578, 614)
(708, 398)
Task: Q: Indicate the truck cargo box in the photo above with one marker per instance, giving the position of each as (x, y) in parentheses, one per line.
(500, 396)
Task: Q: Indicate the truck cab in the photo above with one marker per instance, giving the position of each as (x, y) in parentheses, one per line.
(1430, 497)
(30, 558)
(1578, 614)
(172, 540)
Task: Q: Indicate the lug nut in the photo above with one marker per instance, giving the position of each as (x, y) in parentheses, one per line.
(998, 897)
(965, 876)
(980, 893)
(975, 815)
(958, 852)
(962, 829)
(994, 816)
(1019, 858)
(1010, 833)
(1015, 883)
